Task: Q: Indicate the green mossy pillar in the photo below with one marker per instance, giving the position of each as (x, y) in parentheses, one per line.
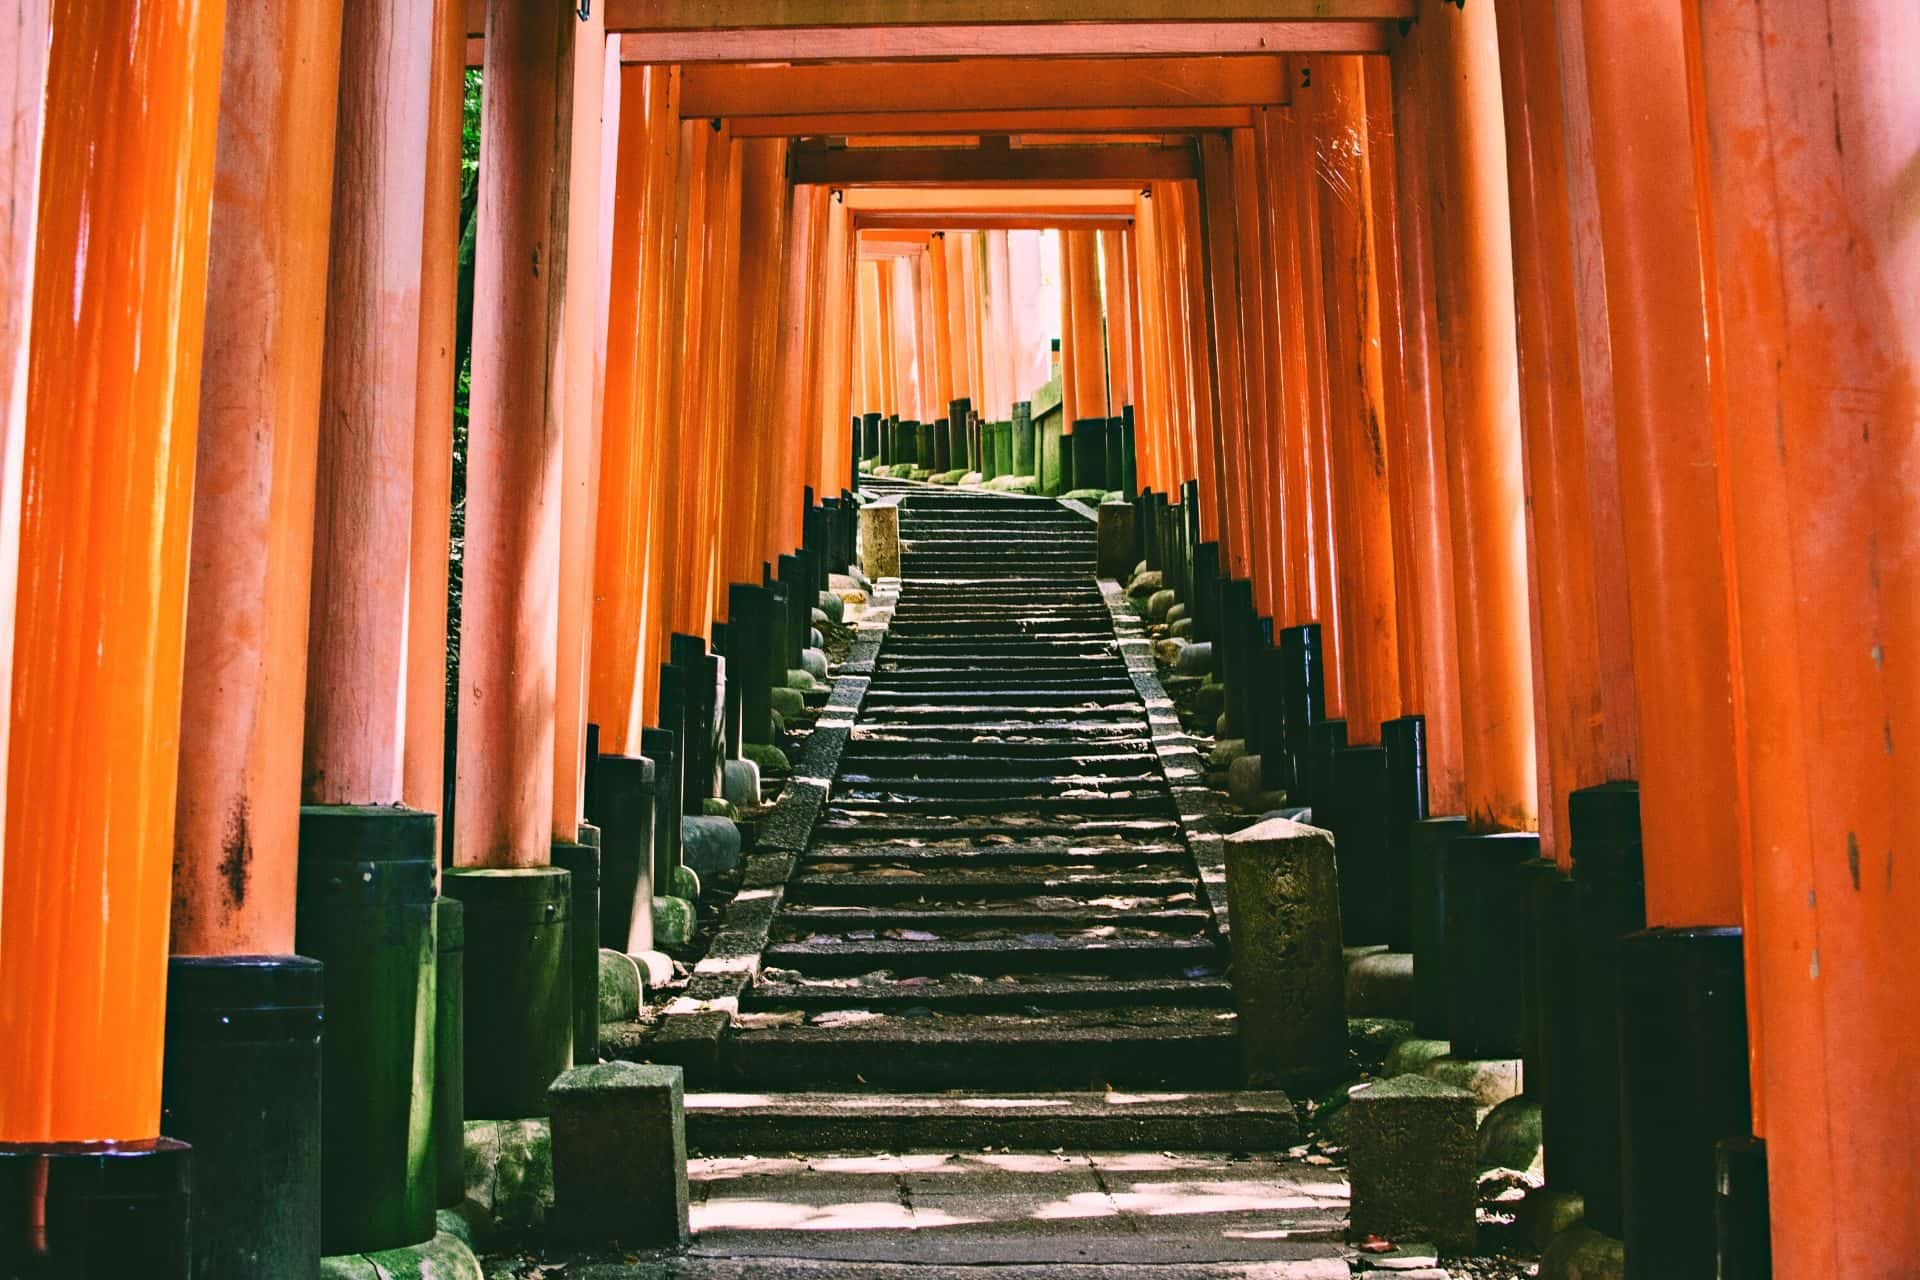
(1003, 449)
(1024, 461)
(449, 1053)
(519, 980)
(365, 911)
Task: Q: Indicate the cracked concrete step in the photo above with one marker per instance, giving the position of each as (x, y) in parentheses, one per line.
(1199, 1121)
(1129, 1046)
(865, 887)
(961, 852)
(983, 994)
(1066, 951)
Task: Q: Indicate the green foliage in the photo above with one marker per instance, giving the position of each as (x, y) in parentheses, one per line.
(463, 380)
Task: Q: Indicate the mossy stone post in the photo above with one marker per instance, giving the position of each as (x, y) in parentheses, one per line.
(989, 450)
(929, 450)
(1003, 448)
(1025, 462)
(963, 456)
(1046, 448)
(519, 979)
(1129, 463)
(1066, 455)
(450, 1048)
(749, 641)
(241, 1083)
(620, 802)
(1289, 975)
(365, 911)
(977, 441)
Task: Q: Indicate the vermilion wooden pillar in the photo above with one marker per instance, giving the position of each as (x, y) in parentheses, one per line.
(1225, 362)
(516, 433)
(580, 448)
(1813, 124)
(1154, 443)
(113, 381)
(1417, 453)
(1120, 324)
(1361, 510)
(794, 355)
(1273, 135)
(1261, 379)
(757, 481)
(23, 82)
(1621, 732)
(424, 763)
(1316, 466)
(370, 388)
(1206, 419)
(649, 132)
(1474, 290)
(941, 288)
(1690, 798)
(244, 688)
(1571, 716)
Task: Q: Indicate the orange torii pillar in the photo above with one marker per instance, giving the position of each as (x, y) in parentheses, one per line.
(1361, 508)
(250, 1103)
(1314, 465)
(1812, 124)
(1416, 445)
(1257, 322)
(113, 380)
(1224, 376)
(1468, 863)
(1083, 363)
(576, 844)
(23, 83)
(367, 863)
(1154, 445)
(1473, 278)
(1680, 988)
(518, 1007)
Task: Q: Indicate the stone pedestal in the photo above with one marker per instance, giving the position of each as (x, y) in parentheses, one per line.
(1289, 974)
(1411, 1156)
(620, 1155)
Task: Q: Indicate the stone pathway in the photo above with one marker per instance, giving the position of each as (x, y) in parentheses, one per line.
(997, 895)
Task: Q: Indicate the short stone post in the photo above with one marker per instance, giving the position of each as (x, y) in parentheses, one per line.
(1411, 1160)
(880, 540)
(620, 1155)
(1289, 974)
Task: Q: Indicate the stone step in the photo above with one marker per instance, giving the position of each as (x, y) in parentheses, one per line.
(1076, 951)
(964, 852)
(902, 783)
(941, 826)
(1022, 914)
(1061, 810)
(980, 993)
(876, 755)
(742, 1123)
(1133, 1046)
(1085, 879)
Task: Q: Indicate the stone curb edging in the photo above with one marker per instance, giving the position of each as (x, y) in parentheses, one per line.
(693, 1025)
(1180, 760)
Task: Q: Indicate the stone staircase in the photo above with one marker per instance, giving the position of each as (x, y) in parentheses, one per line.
(997, 895)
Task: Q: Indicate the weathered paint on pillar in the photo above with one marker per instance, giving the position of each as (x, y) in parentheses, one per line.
(369, 394)
(23, 83)
(1261, 386)
(1417, 455)
(113, 382)
(1690, 799)
(1474, 292)
(516, 429)
(423, 758)
(244, 681)
(580, 450)
(1571, 715)
(643, 192)
(1361, 508)
(1813, 122)
(1219, 243)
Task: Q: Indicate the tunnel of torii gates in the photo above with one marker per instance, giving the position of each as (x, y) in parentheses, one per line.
(1558, 360)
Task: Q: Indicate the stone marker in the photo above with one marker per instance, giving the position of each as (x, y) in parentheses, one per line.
(880, 540)
(620, 1154)
(710, 845)
(620, 987)
(1289, 976)
(1411, 1159)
